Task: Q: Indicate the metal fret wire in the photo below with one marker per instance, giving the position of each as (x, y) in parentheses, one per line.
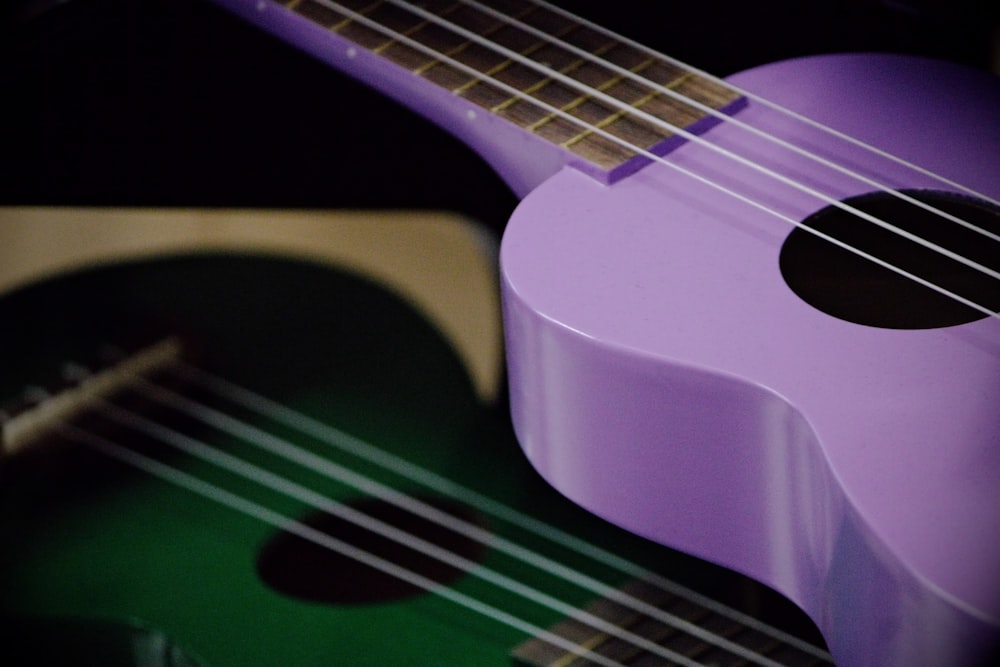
(726, 118)
(289, 451)
(764, 101)
(659, 159)
(701, 141)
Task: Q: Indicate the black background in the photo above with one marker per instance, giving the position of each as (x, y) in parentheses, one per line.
(176, 103)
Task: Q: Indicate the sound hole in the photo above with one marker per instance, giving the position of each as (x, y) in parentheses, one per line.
(845, 285)
(302, 569)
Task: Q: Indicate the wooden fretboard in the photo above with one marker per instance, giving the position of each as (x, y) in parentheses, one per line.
(444, 43)
(767, 643)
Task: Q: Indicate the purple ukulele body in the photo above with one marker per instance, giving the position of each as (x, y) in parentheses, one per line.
(664, 375)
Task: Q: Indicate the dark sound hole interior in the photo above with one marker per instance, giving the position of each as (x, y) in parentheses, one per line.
(302, 569)
(842, 284)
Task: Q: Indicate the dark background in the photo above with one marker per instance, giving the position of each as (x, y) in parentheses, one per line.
(176, 103)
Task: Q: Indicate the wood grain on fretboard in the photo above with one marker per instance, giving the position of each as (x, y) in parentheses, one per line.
(496, 66)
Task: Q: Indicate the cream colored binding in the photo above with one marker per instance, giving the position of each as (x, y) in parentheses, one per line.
(441, 263)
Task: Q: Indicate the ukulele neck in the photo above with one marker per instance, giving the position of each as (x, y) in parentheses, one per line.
(605, 104)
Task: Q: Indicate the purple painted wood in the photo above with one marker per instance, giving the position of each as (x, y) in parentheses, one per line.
(521, 158)
(665, 377)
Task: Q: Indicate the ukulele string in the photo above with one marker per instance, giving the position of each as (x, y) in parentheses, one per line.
(317, 501)
(255, 510)
(805, 120)
(355, 447)
(555, 111)
(321, 465)
(240, 467)
(615, 103)
(723, 117)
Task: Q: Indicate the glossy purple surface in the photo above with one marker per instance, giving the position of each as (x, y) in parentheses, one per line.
(664, 376)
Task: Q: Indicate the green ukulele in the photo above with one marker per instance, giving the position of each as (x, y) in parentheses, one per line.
(225, 453)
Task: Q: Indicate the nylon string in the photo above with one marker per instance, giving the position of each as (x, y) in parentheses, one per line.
(257, 511)
(264, 440)
(475, 74)
(675, 129)
(344, 442)
(764, 101)
(726, 118)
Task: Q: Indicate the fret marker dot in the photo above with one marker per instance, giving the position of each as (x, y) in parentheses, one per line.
(471, 114)
(261, 5)
(352, 52)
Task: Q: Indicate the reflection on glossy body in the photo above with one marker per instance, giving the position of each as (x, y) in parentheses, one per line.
(93, 538)
(665, 376)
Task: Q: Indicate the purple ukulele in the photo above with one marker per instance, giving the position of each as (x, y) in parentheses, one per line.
(816, 408)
